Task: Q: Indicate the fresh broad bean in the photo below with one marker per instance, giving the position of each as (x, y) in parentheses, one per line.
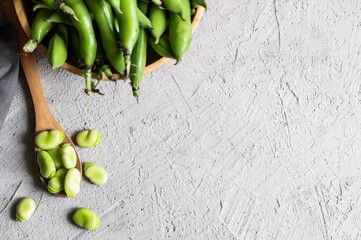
(96, 174)
(196, 3)
(144, 20)
(46, 164)
(87, 139)
(72, 182)
(75, 42)
(87, 37)
(158, 18)
(55, 155)
(104, 17)
(86, 218)
(163, 47)
(180, 31)
(58, 17)
(129, 28)
(25, 209)
(139, 55)
(39, 29)
(49, 139)
(68, 156)
(56, 183)
(85, 30)
(177, 7)
(57, 49)
(61, 6)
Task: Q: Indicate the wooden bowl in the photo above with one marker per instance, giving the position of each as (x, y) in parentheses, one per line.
(154, 62)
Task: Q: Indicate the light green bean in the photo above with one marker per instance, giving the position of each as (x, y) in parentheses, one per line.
(86, 218)
(46, 164)
(49, 139)
(96, 173)
(72, 182)
(56, 184)
(55, 155)
(87, 139)
(68, 156)
(25, 209)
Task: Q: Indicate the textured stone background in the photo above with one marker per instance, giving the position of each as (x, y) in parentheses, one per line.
(255, 135)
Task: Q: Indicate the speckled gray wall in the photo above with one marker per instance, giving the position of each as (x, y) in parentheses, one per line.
(254, 135)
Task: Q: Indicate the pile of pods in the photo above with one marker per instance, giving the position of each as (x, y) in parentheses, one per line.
(113, 35)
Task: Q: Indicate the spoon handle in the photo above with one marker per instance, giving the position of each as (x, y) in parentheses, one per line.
(43, 116)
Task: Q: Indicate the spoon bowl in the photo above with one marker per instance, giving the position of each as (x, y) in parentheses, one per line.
(44, 119)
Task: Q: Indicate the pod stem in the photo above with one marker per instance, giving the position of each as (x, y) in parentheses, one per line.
(136, 94)
(30, 45)
(88, 81)
(127, 62)
(106, 70)
(68, 10)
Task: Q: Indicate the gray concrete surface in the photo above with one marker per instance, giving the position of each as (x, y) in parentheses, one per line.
(254, 135)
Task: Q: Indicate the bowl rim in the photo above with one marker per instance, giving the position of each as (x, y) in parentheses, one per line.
(22, 16)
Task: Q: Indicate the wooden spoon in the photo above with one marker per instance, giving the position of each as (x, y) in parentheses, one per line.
(44, 119)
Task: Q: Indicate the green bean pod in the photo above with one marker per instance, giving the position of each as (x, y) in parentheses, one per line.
(158, 18)
(163, 47)
(104, 18)
(75, 42)
(86, 37)
(128, 34)
(85, 30)
(143, 20)
(139, 56)
(177, 6)
(58, 17)
(196, 3)
(116, 25)
(39, 29)
(115, 5)
(61, 6)
(180, 31)
(57, 49)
